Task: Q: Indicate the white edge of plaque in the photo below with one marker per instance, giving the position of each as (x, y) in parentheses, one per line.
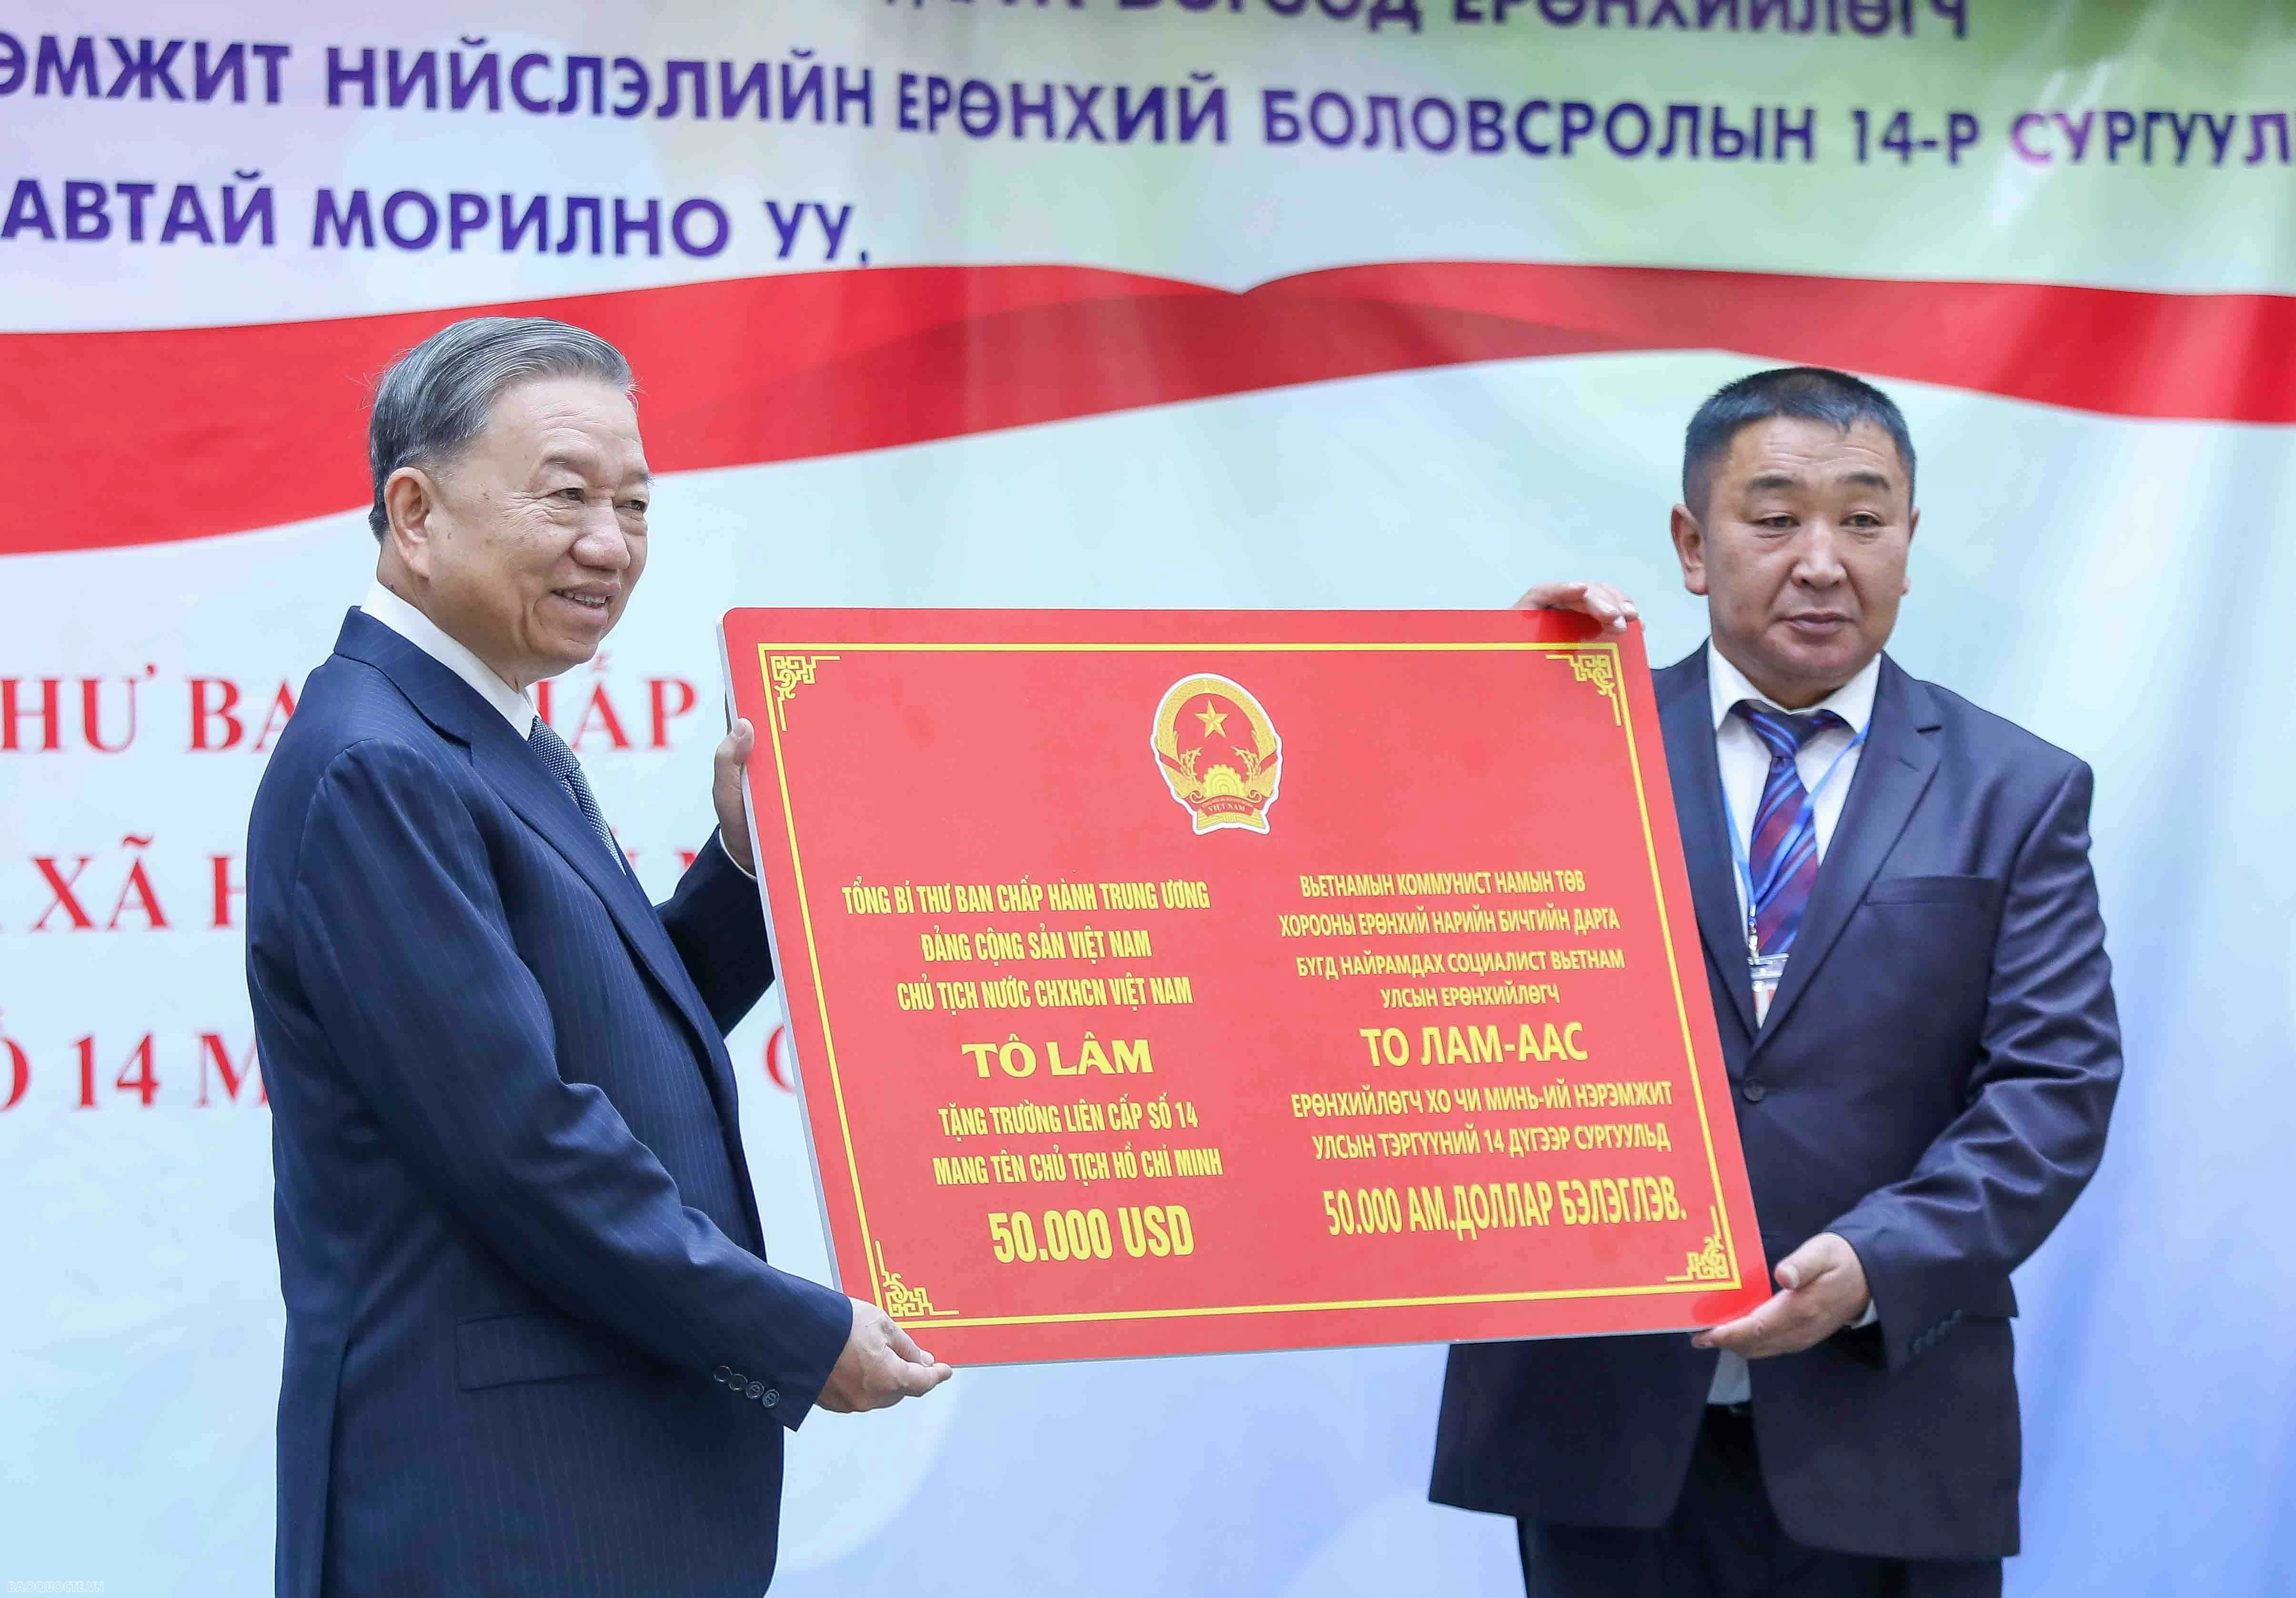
(774, 946)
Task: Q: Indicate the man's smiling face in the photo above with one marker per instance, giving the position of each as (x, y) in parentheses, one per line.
(535, 531)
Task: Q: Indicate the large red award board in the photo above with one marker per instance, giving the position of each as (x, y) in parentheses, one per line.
(1176, 982)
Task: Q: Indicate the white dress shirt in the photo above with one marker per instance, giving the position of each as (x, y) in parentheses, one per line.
(1745, 767)
(435, 642)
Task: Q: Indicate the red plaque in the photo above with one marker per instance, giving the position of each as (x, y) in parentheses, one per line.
(1176, 982)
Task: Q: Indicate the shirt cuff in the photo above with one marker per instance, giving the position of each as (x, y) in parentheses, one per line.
(1872, 1315)
(736, 864)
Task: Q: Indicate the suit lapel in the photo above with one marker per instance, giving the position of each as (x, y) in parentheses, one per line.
(513, 771)
(1686, 718)
(1899, 758)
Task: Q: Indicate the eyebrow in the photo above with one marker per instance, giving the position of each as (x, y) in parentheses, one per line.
(1787, 480)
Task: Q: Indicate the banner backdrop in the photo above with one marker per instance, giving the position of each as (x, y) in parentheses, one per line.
(1276, 303)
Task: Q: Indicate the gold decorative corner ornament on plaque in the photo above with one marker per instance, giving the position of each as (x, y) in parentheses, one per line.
(902, 1301)
(788, 673)
(1598, 664)
(1710, 1263)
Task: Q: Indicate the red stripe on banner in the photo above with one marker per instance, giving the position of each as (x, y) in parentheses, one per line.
(2200, 357)
(185, 433)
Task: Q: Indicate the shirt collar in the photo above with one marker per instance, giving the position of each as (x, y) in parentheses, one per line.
(1853, 702)
(433, 641)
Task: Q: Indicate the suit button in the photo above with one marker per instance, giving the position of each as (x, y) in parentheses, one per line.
(1753, 1092)
(756, 1389)
(721, 1375)
(735, 1380)
(772, 1397)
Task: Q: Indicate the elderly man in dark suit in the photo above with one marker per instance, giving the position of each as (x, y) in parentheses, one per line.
(533, 1344)
(1907, 965)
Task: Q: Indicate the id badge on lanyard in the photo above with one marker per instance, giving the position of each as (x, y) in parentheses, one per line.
(1766, 971)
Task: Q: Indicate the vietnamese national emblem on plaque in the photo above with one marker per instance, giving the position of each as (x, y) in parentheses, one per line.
(1218, 752)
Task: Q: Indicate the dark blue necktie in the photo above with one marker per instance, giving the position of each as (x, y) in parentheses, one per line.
(1782, 858)
(545, 742)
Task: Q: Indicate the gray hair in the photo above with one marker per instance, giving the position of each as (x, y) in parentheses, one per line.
(435, 398)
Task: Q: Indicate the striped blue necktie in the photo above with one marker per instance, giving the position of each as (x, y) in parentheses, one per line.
(1783, 857)
(544, 740)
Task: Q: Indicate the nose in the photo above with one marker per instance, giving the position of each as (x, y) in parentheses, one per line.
(603, 545)
(1817, 563)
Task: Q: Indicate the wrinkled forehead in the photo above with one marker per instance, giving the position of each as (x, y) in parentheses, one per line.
(1792, 452)
(569, 423)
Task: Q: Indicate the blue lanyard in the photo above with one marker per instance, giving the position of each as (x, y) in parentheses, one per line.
(1738, 844)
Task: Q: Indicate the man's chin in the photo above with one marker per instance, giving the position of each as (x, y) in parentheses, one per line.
(1808, 670)
(1821, 671)
(564, 654)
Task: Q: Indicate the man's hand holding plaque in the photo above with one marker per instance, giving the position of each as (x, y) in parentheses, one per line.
(881, 1366)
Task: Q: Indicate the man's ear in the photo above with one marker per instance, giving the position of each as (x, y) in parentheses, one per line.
(1689, 547)
(410, 496)
(1913, 525)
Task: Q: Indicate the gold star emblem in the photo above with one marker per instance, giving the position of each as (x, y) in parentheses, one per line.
(1213, 720)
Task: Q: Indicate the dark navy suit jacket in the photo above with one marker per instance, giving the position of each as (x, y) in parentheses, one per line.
(521, 1257)
(1932, 1084)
